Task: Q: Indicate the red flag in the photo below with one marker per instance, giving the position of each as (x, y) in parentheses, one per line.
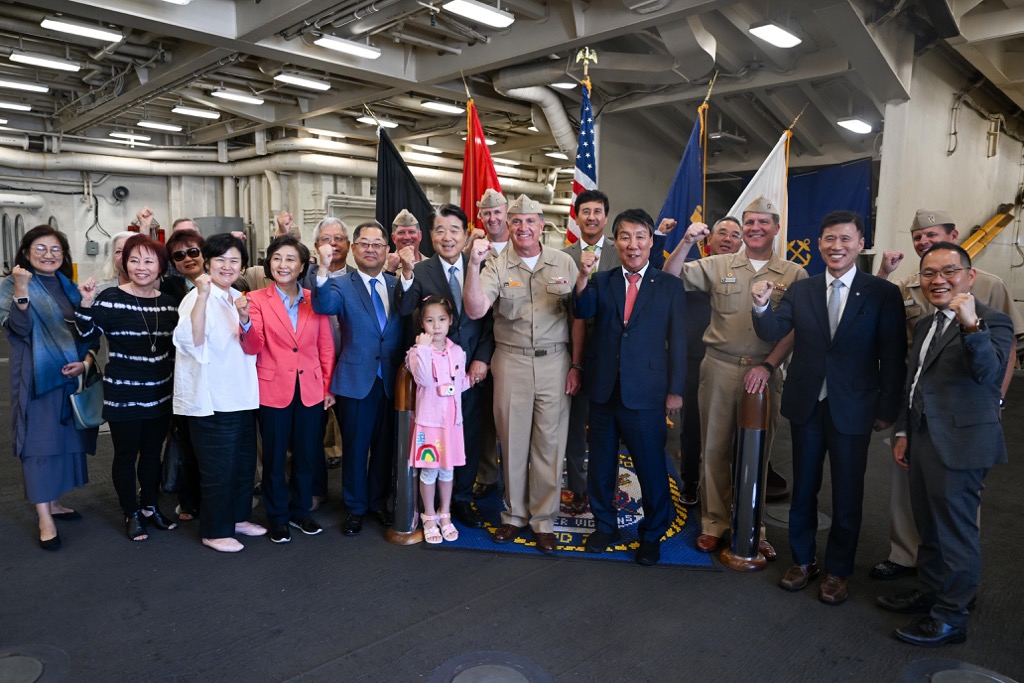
(478, 174)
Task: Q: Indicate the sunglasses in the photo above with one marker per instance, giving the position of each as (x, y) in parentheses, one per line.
(191, 252)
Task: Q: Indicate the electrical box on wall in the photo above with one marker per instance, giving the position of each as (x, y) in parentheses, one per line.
(92, 248)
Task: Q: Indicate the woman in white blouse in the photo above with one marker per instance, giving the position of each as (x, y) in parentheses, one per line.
(215, 387)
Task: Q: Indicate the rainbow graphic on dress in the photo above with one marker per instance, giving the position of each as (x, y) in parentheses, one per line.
(426, 453)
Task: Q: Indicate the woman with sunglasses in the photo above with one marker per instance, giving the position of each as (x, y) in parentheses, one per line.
(37, 309)
(138, 321)
(185, 247)
(216, 388)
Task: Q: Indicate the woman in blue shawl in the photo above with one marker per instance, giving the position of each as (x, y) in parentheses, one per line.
(37, 309)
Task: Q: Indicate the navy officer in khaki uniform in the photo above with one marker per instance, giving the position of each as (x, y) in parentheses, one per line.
(530, 288)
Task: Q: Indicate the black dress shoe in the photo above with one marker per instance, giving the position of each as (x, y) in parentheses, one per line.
(483, 490)
(688, 496)
(135, 526)
(69, 516)
(887, 571)
(333, 463)
(353, 525)
(467, 514)
(929, 632)
(384, 517)
(156, 518)
(579, 504)
(911, 602)
(599, 541)
(280, 533)
(649, 553)
(50, 543)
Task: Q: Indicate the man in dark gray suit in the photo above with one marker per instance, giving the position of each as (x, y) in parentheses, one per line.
(948, 436)
(592, 217)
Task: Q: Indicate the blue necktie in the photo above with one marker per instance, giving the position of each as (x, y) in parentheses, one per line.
(378, 304)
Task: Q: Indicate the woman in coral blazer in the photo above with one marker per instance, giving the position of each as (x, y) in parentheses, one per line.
(294, 351)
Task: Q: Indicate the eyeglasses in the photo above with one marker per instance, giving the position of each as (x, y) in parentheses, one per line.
(191, 252)
(41, 249)
(947, 272)
(375, 246)
(327, 239)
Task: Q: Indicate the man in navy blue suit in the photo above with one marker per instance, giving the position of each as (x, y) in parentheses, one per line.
(634, 372)
(364, 377)
(846, 378)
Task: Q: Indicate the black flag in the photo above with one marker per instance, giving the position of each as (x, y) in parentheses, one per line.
(397, 189)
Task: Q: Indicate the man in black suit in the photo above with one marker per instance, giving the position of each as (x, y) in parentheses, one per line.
(634, 372)
(444, 275)
(948, 436)
(845, 380)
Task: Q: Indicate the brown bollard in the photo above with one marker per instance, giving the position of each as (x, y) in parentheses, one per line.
(748, 470)
(405, 530)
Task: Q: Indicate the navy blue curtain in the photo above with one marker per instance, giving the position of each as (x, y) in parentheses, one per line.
(813, 194)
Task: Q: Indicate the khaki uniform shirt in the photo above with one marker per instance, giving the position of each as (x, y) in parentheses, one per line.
(988, 289)
(531, 309)
(727, 278)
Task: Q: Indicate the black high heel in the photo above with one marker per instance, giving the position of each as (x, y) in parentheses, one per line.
(156, 518)
(50, 543)
(135, 526)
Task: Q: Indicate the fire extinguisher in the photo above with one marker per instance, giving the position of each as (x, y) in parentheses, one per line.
(159, 234)
(132, 228)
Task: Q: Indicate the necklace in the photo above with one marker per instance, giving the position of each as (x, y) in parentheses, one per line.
(156, 324)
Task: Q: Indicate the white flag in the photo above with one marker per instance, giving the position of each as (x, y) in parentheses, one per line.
(770, 181)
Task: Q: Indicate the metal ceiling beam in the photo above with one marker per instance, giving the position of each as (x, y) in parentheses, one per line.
(752, 124)
(808, 138)
(831, 115)
(883, 56)
(664, 130)
(264, 19)
(1001, 25)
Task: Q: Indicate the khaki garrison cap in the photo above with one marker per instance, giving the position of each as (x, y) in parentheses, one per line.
(926, 218)
(761, 205)
(524, 204)
(491, 199)
(404, 219)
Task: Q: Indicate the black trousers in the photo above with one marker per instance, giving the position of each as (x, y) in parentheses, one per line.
(689, 436)
(295, 427)
(137, 445)
(474, 412)
(188, 475)
(225, 446)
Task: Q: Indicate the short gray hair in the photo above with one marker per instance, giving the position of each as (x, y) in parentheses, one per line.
(330, 220)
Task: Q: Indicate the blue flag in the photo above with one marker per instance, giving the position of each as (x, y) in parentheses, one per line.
(685, 201)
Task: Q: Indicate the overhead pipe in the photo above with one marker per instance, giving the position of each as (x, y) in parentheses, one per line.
(368, 17)
(400, 37)
(230, 196)
(21, 201)
(293, 162)
(274, 194)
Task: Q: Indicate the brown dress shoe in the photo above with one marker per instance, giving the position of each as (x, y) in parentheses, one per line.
(832, 590)
(706, 542)
(546, 543)
(798, 576)
(507, 533)
(766, 549)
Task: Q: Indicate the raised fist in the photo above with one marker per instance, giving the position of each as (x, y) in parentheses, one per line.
(761, 291)
(88, 291)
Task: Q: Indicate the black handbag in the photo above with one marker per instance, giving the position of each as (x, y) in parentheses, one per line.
(171, 478)
(87, 402)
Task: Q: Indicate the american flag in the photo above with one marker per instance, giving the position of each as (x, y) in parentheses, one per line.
(585, 176)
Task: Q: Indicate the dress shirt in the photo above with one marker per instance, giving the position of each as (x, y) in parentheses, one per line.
(216, 376)
(642, 271)
(382, 291)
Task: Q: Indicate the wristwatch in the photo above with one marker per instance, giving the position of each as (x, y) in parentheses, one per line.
(977, 327)
(21, 300)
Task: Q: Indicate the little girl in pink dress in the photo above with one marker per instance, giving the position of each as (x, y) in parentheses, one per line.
(439, 367)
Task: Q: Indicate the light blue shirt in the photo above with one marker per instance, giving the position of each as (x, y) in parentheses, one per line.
(291, 307)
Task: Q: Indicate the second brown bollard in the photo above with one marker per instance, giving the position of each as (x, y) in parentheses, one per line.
(748, 469)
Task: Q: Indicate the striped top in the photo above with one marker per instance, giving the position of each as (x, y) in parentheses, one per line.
(137, 381)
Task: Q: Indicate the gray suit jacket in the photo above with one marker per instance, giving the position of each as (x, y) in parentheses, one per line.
(609, 254)
(960, 385)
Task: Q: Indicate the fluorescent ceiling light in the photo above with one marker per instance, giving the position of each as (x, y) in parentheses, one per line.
(225, 94)
(855, 125)
(564, 85)
(774, 34)
(303, 81)
(566, 171)
(533, 129)
(3, 122)
(15, 107)
(478, 11)
(178, 2)
(556, 155)
(428, 158)
(198, 113)
(442, 107)
(425, 148)
(505, 162)
(20, 85)
(348, 47)
(81, 29)
(369, 120)
(43, 61)
(324, 133)
(156, 125)
(134, 142)
(487, 140)
(129, 136)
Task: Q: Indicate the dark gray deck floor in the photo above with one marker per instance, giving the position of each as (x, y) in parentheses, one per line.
(330, 608)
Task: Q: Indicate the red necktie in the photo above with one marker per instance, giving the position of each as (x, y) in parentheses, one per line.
(631, 293)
